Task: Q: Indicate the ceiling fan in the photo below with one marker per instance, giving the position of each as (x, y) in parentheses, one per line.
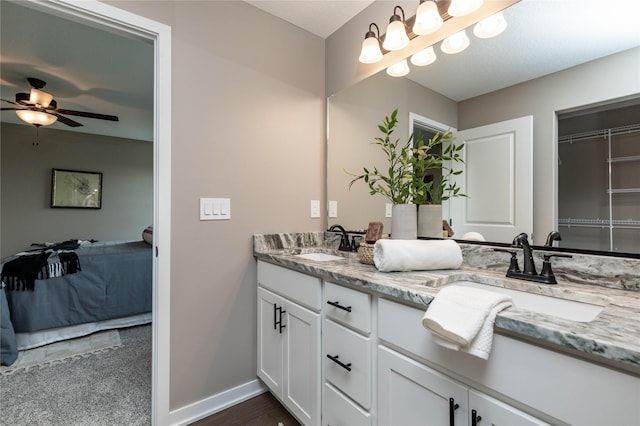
(40, 109)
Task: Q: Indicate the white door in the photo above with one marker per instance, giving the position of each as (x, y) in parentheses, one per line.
(497, 179)
(497, 413)
(410, 393)
(270, 340)
(302, 363)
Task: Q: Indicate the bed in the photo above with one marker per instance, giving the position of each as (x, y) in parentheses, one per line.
(111, 289)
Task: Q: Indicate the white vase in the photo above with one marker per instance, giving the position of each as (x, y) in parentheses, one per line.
(404, 222)
(430, 220)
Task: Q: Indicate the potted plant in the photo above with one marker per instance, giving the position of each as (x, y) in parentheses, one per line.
(432, 183)
(408, 181)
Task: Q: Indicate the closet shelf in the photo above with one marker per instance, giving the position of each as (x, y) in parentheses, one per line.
(599, 223)
(604, 133)
(624, 191)
(623, 159)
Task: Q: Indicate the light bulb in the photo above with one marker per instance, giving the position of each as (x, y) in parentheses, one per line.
(396, 37)
(370, 53)
(455, 43)
(428, 19)
(399, 69)
(37, 118)
(463, 7)
(424, 57)
(491, 26)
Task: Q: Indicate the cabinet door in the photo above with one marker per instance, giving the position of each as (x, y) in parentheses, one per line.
(270, 340)
(302, 363)
(410, 393)
(497, 413)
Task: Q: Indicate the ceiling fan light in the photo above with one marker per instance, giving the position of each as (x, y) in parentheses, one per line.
(399, 69)
(396, 37)
(491, 26)
(37, 118)
(427, 19)
(370, 53)
(40, 98)
(424, 57)
(455, 43)
(463, 7)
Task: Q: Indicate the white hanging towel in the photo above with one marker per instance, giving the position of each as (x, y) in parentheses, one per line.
(461, 318)
(416, 255)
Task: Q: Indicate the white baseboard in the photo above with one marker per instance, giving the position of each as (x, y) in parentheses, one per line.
(211, 405)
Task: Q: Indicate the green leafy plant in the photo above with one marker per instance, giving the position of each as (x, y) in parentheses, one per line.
(403, 181)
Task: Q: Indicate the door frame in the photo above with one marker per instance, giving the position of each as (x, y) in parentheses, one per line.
(100, 15)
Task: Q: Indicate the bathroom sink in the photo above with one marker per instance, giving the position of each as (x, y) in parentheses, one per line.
(574, 310)
(320, 257)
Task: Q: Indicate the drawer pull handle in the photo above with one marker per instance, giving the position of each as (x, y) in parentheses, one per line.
(475, 418)
(339, 306)
(341, 364)
(452, 408)
(278, 318)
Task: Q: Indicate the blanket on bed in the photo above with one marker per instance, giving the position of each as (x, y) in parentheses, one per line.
(22, 272)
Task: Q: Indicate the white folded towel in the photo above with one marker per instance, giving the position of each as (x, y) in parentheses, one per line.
(461, 318)
(416, 255)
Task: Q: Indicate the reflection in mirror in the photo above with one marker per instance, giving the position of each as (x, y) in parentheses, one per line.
(522, 72)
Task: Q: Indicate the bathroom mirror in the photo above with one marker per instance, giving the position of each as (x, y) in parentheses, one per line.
(489, 85)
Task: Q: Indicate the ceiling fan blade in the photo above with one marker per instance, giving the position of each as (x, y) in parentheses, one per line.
(88, 114)
(10, 109)
(64, 120)
(8, 101)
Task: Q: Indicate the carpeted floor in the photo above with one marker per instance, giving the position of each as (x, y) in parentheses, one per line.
(109, 387)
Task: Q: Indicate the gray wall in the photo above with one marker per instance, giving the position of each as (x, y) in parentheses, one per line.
(258, 140)
(354, 116)
(127, 193)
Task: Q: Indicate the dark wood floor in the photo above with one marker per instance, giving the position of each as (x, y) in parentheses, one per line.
(262, 410)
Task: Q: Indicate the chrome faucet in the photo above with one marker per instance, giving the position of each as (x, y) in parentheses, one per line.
(344, 240)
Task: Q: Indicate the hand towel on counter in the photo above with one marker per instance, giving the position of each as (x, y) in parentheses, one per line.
(416, 255)
(461, 318)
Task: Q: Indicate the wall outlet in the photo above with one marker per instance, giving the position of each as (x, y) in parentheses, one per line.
(333, 209)
(388, 209)
(315, 208)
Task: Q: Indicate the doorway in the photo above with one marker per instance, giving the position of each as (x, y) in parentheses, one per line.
(100, 15)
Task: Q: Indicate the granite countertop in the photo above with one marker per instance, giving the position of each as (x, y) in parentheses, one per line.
(612, 338)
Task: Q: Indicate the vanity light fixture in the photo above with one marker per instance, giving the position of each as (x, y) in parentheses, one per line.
(424, 57)
(463, 7)
(371, 53)
(455, 43)
(37, 118)
(428, 19)
(491, 26)
(396, 37)
(399, 69)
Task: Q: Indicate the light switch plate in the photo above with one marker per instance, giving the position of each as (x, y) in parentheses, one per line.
(388, 209)
(315, 208)
(215, 208)
(333, 209)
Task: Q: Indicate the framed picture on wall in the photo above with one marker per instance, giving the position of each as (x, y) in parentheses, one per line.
(76, 189)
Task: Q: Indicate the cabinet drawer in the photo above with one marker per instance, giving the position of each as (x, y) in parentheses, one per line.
(340, 411)
(302, 288)
(352, 350)
(348, 306)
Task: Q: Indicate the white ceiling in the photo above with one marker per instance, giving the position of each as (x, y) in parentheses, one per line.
(97, 71)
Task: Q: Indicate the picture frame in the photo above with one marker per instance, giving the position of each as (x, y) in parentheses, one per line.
(75, 189)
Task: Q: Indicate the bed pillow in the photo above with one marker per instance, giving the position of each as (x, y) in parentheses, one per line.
(147, 234)
(8, 345)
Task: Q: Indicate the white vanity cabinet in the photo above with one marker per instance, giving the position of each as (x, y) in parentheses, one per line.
(289, 339)
(561, 388)
(347, 357)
